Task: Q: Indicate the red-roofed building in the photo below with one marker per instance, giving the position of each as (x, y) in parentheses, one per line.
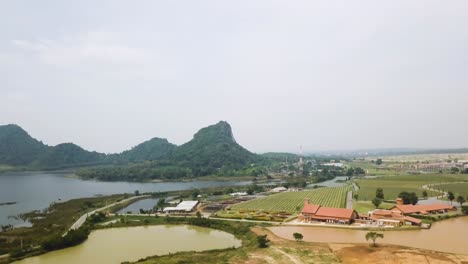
(391, 218)
(313, 212)
(422, 208)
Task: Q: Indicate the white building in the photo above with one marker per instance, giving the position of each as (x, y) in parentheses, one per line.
(278, 189)
(334, 164)
(238, 194)
(183, 207)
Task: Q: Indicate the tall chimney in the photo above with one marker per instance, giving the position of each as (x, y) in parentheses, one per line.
(399, 201)
(306, 201)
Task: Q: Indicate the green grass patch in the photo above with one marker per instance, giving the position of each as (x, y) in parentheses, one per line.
(366, 206)
(294, 201)
(394, 185)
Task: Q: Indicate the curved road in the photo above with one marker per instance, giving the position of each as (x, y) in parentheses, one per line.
(78, 223)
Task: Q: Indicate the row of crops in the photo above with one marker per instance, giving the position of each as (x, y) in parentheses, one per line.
(456, 188)
(392, 186)
(294, 201)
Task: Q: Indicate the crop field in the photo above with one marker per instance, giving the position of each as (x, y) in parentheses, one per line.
(394, 185)
(291, 201)
(456, 188)
(426, 157)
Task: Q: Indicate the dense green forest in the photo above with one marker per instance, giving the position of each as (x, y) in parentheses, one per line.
(153, 149)
(18, 148)
(212, 151)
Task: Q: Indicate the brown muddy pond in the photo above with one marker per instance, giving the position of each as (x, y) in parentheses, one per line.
(115, 245)
(448, 235)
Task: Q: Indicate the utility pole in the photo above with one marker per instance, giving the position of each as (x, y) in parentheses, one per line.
(301, 162)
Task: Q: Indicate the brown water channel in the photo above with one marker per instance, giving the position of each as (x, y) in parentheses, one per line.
(448, 235)
(115, 245)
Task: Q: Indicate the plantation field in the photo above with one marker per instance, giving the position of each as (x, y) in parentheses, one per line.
(292, 201)
(456, 188)
(371, 168)
(426, 157)
(394, 185)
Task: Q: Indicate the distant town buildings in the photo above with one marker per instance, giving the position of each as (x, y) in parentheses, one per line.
(436, 166)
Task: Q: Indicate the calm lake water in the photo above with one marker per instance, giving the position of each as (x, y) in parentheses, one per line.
(448, 235)
(338, 181)
(37, 190)
(116, 245)
(134, 208)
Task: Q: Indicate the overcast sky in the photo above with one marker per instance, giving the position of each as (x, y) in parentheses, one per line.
(327, 75)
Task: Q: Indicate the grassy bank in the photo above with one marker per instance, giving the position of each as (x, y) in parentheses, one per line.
(49, 223)
(363, 207)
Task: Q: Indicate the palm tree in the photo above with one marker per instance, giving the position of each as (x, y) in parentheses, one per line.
(461, 200)
(373, 236)
(424, 193)
(451, 197)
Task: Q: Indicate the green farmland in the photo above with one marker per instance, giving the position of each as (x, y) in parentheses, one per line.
(394, 185)
(456, 188)
(290, 201)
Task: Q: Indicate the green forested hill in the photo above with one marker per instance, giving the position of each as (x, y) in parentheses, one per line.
(69, 155)
(17, 147)
(153, 149)
(212, 151)
(211, 148)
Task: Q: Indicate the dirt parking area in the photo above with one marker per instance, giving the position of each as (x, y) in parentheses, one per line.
(289, 251)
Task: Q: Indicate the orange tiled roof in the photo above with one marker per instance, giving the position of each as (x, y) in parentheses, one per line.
(310, 208)
(412, 219)
(422, 208)
(335, 212)
(382, 212)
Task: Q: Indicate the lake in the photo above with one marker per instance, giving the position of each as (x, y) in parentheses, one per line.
(447, 235)
(115, 245)
(134, 208)
(338, 181)
(37, 190)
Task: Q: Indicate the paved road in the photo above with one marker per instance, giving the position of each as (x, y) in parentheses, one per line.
(432, 200)
(349, 200)
(83, 218)
(349, 197)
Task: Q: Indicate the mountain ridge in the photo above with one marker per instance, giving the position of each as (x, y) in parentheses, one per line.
(212, 146)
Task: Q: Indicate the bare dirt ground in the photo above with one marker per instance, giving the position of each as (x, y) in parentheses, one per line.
(288, 251)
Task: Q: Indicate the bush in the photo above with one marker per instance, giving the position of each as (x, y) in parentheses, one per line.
(262, 241)
(97, 217)
(464, 209)
(73, 237)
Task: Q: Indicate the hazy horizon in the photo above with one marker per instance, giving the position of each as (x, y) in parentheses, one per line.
(330, 75)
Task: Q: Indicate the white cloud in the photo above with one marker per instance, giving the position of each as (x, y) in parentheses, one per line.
(88, 49)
